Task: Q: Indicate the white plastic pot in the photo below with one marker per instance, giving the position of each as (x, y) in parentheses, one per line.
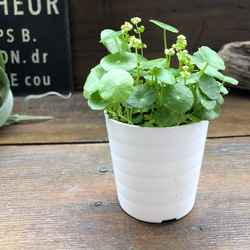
(156, 169)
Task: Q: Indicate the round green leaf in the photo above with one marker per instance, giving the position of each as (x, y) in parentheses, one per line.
(209, 86)
(96, 102)
(223, 90)
(177, 98)
(220, 100)
(211, 57)
(116, 86)
(109, 34)
(165, 26)
(201, 64)
(152, 63)
(164, 75)
(143, 96)
(205, 101)
(125, 61)
(112, 42)
(210, 114)
(193, 78)
(91, 84)
(166, 118)
(229, 79)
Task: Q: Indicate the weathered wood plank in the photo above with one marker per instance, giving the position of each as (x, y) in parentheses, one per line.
(55, 197)
(206, 22)
(75, 122)
(236, 56)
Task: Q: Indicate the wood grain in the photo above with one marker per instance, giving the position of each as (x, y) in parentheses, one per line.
(55, 197)
(236, 56)
(206, 22)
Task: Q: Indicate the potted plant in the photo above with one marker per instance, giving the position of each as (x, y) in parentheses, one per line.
(157, 118)
(7, 101)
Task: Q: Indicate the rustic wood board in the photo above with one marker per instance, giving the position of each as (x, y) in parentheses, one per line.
(75, 122)
(55, 197)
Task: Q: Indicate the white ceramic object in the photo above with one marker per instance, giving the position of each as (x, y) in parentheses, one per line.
(156, 169)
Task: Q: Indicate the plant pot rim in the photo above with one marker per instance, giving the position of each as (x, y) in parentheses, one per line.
(172, 127)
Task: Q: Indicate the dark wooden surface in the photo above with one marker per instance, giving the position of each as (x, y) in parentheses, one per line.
(55, 195)
(210, 22)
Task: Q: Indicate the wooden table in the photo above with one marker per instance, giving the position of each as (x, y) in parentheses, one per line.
(58, 190)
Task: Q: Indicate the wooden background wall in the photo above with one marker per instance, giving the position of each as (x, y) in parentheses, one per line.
(204, 22)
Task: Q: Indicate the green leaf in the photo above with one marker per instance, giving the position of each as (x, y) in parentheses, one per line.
(166, 118)
(125, 61)
(220, 100)
(229, 79)
(116, 86)
(96, 102)
(143, 96)
(210, 114)
(153, 63)
(193, 118)
(223, 90)
(137, 119)
(91, 84)
(109, 34)
(209, 86)
(111, 40)
(211, 57)
(165, 26)
(193, 78)
(205, 101)
(201, 64)
(177, 98)
(164, 75)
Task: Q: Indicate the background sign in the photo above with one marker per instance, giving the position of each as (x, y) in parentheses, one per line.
(35, 41)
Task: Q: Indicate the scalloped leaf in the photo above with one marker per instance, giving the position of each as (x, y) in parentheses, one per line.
(91, 84)
(210, 114)
(111, 40)
(177, 98)
(96, 102)
(143, 96)
(153, 63)
(164, 75)
(116, 86)
(209, 86)
(125, 61)
(166, 118)
(211, 57)
(165, 26)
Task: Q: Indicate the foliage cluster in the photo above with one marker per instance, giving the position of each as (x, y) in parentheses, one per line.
(134, 90)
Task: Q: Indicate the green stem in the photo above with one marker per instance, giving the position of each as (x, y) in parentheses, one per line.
(137, 67)
(204, 69)
(117, 45)
(139, 34)
(127, 111)
(165, 45)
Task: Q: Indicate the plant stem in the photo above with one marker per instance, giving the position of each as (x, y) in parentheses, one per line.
(127, 111)
(117, 45)
(137, 67)
(165, 45)
(139, 34)
(204, 69)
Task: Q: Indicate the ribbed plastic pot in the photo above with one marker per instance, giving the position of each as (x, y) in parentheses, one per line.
(156, 169)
